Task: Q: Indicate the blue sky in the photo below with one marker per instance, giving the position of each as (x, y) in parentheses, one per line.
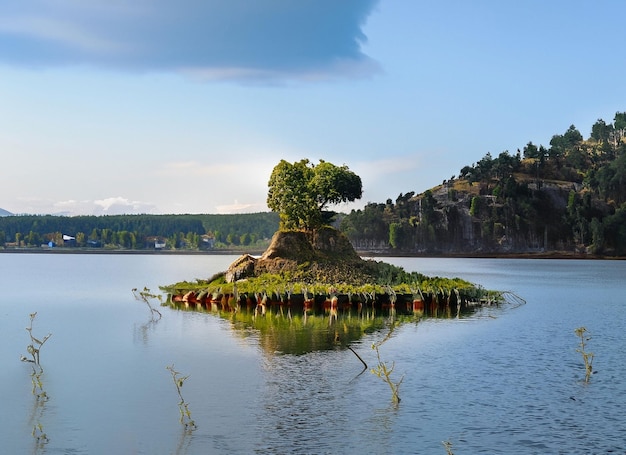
(156, 106)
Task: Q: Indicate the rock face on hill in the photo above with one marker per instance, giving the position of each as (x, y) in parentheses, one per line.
(518, 215)
(472, 219)
(325, 255)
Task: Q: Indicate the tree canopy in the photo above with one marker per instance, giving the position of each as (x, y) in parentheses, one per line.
(302, 191)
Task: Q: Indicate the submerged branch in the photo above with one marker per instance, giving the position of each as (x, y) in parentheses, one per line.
(359, 357)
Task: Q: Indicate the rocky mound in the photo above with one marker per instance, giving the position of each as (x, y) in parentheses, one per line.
(325, 255)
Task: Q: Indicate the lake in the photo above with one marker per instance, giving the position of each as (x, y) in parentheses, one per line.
(504, 380)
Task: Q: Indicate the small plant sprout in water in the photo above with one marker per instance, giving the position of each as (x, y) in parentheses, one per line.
(41, 397)
(183, 406)
(146, 296)
(384, 371)
(34, 348)
(584, 336)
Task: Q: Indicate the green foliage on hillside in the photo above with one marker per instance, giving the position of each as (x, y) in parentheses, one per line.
(570, 196)
(141, 231)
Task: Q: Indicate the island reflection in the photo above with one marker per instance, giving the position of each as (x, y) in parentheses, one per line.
(292, 328)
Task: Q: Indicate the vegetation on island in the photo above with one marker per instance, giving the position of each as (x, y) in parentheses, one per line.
(301, 192)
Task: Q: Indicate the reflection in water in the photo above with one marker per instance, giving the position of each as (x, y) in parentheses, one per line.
(285, 330)
(307, 392)
(500, 385)
(298, 329)
(314, 403)
(38, 410)
(141, 332)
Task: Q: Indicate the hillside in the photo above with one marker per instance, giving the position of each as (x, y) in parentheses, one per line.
(569, 198)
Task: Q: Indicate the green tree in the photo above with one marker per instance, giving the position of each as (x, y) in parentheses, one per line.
(232, 239)
(395, 234)
(531, 151)
(301, 192)
(597, 236)
(600, 131)
(80, 238)
(474, 206)
(619, 123)
(572, 137)
(245, 239)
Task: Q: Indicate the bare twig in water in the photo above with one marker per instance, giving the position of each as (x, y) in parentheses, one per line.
(359, 357)
(146, 296)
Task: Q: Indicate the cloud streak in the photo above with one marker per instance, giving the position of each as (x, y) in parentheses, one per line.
(215, 39)
(121, 206)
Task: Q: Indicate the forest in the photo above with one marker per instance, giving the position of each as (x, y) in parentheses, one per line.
(181, 232)
(569, 196)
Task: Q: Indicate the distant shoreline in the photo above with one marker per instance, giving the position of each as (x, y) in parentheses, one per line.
(493, 255)
(131, 252)
(363, 253)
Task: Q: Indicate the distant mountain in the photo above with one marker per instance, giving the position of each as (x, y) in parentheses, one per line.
(5, 213)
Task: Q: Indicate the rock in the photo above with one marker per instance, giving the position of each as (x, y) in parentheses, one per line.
(241, 268)
(289, 245)
(322, 255)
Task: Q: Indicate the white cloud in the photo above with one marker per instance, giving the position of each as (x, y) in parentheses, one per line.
(188, 169)
(120, 206)
(237, 207)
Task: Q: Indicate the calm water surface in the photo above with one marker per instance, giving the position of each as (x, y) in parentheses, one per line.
(503, 381)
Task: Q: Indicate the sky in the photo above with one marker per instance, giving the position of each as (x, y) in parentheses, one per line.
(163, 106)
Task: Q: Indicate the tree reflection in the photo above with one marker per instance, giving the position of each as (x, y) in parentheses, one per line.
(298, 329)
